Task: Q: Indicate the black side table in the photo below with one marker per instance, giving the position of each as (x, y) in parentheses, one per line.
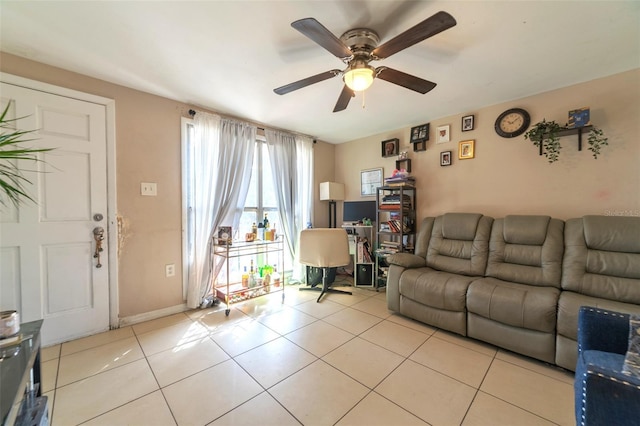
(20, 371)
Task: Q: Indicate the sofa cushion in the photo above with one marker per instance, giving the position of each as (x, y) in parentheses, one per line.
(602, 257)
(526, 250)
(517, 305)
(613, 233)
(459, 243)
(460, 226)
(525, 230)
(442, 290)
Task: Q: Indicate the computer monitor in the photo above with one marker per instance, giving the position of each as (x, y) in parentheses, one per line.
(355, 211)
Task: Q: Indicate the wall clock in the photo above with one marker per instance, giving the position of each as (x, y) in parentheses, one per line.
(513, 122)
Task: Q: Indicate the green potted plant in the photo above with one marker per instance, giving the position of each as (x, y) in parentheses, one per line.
(544, 135)
(596, 141)
(12, 180)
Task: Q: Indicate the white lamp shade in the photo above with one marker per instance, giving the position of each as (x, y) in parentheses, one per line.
(331, 191)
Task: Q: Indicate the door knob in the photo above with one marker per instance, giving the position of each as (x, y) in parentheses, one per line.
(98, 236)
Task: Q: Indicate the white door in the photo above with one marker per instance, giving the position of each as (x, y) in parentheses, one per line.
(47, 265)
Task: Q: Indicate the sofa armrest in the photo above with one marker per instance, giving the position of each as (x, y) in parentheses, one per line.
(407, 260)
(602, 330)
(606, 396)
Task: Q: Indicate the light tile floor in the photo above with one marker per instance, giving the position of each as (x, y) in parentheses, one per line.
(344, 361)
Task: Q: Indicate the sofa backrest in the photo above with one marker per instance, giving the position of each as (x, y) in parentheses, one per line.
(459, 243)
(423, 237)
(602, 257)
(526, 250)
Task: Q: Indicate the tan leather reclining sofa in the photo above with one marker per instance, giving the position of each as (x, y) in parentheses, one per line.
(519, 281)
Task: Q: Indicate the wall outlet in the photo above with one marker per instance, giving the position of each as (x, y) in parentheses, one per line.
(170, 270)
(149, 189)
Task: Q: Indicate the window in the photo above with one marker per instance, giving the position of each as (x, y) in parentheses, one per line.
(260, 200)
(261, 197)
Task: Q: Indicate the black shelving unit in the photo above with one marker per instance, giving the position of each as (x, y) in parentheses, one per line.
(396, 221)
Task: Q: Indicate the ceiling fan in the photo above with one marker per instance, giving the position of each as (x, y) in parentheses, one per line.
(358, 47)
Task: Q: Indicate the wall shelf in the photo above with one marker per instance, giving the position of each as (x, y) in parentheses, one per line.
(568, 132)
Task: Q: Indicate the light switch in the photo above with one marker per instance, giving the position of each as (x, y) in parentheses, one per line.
(149, 188)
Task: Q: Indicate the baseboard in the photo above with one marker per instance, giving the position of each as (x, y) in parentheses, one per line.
(148, 316)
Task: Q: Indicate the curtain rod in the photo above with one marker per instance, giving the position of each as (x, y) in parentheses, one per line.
(192, 113)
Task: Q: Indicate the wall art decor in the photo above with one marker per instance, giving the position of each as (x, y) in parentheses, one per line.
(467, 123)
(420, 133)
(370, 180)
(445, 158)
(444, 134)
(466, 149)
(390, 147)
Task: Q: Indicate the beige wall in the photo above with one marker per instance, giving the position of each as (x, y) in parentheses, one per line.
(507, 176)
(323, 157)
(147, 150)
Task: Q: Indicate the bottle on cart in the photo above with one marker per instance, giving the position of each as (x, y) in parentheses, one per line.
(245, 278)
(265, 222)
(275, 277)
(252, 276)
(254, 230)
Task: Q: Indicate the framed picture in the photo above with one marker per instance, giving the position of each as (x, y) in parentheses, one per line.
(225, 236)
(370, 180)
(420, 146)
(579, 118)
(404, 163)
(467, 123)
(390, 147)
(444, 134)
(466, 149)
(420, 133)
(445, 158)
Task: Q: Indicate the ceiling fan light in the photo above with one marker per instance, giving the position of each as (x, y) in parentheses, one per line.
(358, 79)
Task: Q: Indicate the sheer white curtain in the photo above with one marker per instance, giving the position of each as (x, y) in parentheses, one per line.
(221, 157)
(292, 169)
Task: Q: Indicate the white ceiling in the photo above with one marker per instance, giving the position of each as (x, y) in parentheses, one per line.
(229, 55)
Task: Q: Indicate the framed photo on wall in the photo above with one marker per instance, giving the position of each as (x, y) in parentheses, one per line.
(420, 146)
(444, 134)
(370, 180)
(466, 149)
(420, 133)
(467, 123)
(390, 147)
(445, 158)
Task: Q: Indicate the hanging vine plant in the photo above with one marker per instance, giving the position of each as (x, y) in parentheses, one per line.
(544, 135)
(596, 141)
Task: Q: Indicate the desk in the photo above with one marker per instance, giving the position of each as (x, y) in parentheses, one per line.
(363, 264)
(20, 371)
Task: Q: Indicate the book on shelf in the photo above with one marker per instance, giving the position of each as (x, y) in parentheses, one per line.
(400, 181)
(363, 251)
(384, 227)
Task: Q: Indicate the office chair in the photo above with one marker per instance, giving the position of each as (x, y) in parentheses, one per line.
(324, 248)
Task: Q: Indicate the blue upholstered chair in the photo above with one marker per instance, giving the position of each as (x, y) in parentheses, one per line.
(603, 394)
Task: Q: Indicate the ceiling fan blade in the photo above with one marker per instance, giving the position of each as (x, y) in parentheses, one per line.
(343, 99)
(325, 38)
(282, 90)
(405, 80)
(429, 27)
